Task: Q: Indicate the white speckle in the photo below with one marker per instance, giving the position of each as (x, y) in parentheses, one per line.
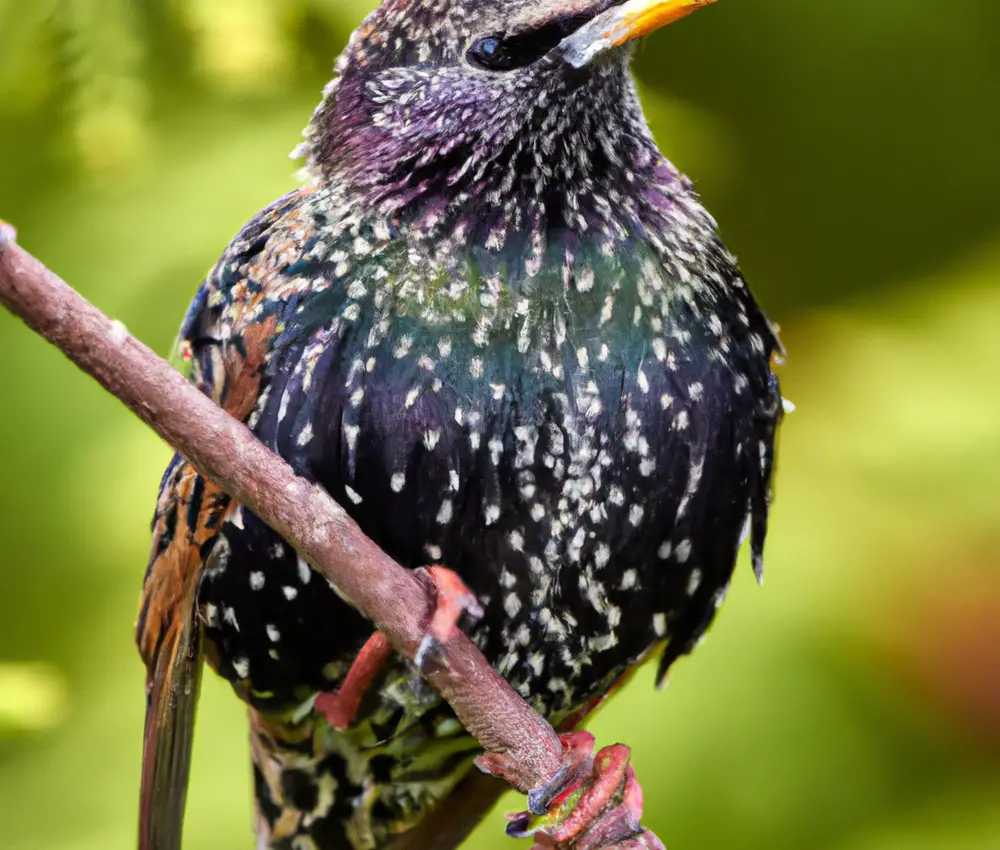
(491, 514)
(229, 616)
(664, 551)
(512, 604)
(433, 551)
(498, 391)
(445, 512)
(305, 571)
(273, 634)
(431, 437)
(476, 367)
(305, 435)
(256, 580)
(602, 643)
(635, 514)
(696, 391)
(788, 406)
(683, 551)
(660, 624)
(537, 663)
(403, 348)
(516, 540)
(537, 512)
(211, 614)
(237, 517)
(444, 346)
(666, 400)
(412, 395)
(602, 554)
(398, 482)
(353, 494)
(628, 579)
(616, 496)
(290, 592)
(694, 582)
(681, 420)
(453, 479)
(242, 667)
(643, 381)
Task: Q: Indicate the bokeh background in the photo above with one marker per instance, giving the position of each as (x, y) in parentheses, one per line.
(849, 149)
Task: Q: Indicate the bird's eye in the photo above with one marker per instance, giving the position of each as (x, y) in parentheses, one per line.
(490, 53)
(501, 52)
(487, 46)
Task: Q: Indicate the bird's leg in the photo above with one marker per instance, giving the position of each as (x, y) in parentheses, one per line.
(341, 707)
(591, 803)
(451, 599)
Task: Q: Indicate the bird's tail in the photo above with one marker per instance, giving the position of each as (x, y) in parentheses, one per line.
(169, 636)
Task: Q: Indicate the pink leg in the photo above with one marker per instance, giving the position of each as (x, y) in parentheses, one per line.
(341, 708)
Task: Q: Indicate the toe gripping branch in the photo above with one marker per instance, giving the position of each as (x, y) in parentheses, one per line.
(594, 802)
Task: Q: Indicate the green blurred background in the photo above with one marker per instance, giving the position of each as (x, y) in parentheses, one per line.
(849, 149)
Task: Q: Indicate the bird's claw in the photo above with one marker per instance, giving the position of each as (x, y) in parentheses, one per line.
(591, 803)
(452, 599)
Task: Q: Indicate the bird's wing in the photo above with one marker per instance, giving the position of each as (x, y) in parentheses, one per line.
(189, 514)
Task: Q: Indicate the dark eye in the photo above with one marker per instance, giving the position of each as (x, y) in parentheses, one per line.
(491, 53)
(500, 52)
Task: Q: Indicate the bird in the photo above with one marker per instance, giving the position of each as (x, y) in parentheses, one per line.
(498, 327)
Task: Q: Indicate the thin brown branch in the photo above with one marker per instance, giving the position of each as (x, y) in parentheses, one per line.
(225, 451)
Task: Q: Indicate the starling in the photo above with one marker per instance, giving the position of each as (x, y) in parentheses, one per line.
(499, 328)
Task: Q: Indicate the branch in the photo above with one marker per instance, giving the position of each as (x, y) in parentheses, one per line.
(225, 451)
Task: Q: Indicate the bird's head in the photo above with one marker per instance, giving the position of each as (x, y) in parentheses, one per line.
(524, 106)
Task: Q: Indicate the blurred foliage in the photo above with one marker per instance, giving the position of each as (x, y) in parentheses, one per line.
(849, 150)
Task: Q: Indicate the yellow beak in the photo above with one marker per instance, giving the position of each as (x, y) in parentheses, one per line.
(623, 23)
(638, 18)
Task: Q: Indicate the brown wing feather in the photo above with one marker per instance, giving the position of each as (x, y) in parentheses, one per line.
(169, 637)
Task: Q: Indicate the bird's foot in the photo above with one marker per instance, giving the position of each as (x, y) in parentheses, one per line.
(452, 599)
(341, 707)
(592, 802)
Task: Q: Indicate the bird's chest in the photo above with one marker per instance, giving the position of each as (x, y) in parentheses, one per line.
(546, 442)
